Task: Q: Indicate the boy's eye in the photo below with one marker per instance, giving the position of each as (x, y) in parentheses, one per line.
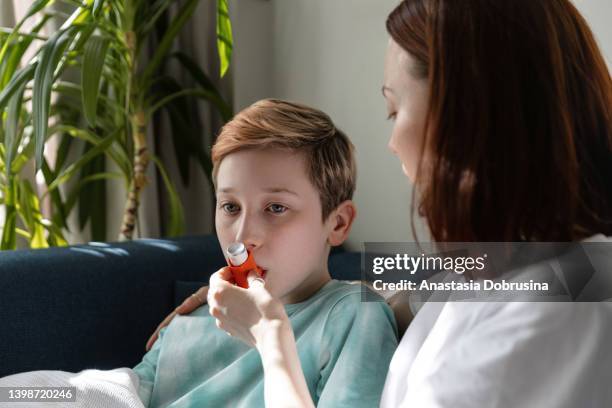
(277, 208)
(392, 116)
(230, 208)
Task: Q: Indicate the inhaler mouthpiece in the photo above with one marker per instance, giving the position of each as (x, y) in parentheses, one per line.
(241, 262)
(237, 253)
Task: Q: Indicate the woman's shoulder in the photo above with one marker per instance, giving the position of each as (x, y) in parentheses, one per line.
(516, 315)
(487, 344)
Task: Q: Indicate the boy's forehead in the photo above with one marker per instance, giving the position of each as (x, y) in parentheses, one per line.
(271, 170)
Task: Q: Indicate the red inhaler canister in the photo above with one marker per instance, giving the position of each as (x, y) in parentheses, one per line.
(241, 262)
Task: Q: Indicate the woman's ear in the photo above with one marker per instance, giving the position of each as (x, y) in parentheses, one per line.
(340, 222)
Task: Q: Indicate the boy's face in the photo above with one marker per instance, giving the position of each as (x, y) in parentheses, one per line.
(266, 200)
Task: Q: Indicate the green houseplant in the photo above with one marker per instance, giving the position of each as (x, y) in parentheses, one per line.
(108, 105)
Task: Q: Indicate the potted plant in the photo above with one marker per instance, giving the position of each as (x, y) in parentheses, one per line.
(108, 103)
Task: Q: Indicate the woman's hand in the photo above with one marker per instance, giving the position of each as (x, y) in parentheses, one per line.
(247, 314)
(189, 305)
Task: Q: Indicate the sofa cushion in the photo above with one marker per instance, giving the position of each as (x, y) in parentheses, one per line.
(95, 305)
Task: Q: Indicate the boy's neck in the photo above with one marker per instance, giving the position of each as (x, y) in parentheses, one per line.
(306, 289)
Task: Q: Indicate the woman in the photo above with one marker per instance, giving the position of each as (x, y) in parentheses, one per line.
(502, 115)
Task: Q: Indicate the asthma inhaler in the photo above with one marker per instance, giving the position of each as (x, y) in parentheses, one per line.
(241, 262)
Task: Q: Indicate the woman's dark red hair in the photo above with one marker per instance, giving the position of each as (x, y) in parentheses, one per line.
(519, 129)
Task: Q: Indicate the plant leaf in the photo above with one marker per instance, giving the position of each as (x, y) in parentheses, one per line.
(30, 210)
(202, 79)
(55, 236)
(98, 207)
(181, 130)
(69, 171)
(184, 134)
(176, 223)
(97, 6)
(119, 156)
(9, 237)
(34, 8)
(224, 36)
(22, 77)
(149, 14)
(195, 71)
(16, 53)
(43, 81)
(166, 42)
(60, 216)
(11, 137)
(62, 151)
(180, 120)
(93, 62)
(92, 198)
(73, 196)
(9, 241)
(217, 102)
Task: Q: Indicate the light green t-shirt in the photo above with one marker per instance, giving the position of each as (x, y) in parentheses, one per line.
(345, 346)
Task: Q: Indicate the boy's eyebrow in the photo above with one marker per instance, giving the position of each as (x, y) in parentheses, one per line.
(279, 190)
(267, 190)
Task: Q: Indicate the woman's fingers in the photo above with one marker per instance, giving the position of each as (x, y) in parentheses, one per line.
(220, 279)
(152, 340)
(155, 335)
(194, 301)
(190, 304)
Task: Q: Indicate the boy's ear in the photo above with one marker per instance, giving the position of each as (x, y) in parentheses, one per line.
(341, 220)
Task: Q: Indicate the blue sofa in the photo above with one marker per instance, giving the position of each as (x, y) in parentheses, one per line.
(95, 305)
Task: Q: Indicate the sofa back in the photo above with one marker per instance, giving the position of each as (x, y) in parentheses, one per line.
(95, 305)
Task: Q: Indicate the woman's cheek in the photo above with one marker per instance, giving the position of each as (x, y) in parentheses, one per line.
(409, 142)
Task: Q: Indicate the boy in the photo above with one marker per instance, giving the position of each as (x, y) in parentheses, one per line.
(284, 178)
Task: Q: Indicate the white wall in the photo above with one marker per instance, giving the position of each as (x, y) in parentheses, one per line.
(598, 13)
(329, 54)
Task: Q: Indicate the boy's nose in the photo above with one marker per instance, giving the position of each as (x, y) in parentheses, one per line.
(249, 234)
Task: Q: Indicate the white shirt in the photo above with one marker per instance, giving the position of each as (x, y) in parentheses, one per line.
(505, 354)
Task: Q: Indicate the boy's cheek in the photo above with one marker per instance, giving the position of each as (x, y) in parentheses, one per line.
(223, 227)
(224, 236)
(281, 281)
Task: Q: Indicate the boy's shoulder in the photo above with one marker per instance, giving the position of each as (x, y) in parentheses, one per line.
(348, 297)
(339, 290)
(350, 291)
(355, 306)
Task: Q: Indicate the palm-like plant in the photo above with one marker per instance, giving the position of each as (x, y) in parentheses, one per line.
(108, 107)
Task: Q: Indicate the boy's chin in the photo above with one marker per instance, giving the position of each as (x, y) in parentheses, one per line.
(284, 294)
(293, 295)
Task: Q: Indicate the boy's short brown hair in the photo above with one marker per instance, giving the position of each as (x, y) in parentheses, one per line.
(277, 124)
